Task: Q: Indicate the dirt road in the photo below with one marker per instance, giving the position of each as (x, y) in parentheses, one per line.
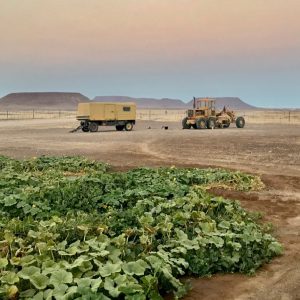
(272, 151)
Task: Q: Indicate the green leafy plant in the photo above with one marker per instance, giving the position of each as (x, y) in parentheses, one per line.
(71, 229)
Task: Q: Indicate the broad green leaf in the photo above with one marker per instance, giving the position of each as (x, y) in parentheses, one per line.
(10, 278)
(95, 284)
(275, 248)
(131, 288)
(109, 285)
(218, 241)
(40, 281)
(155, 262)
(10, 200)
(135, 267)
(122, 279)
(38, 296)
(48, 294)
(27, 294)
(79, 261)
(114, 254)
(136, 297)
(59, 291)
(27, 272)
(70, 251)
(3, 262)
(224, 224)
(27, 260)
(70, 293)
(49, 266)
(110, 268)
(85, 266)
(60, 277)
(83, 282)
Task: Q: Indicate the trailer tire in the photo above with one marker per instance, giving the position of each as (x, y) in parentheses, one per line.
(128, 126)
(85, 129)
(93, 127)
(120, 127)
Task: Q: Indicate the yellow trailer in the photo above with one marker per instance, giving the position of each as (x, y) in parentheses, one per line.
(92, 115)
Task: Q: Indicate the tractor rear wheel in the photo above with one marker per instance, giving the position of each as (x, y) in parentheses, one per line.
(120, 127)
(211, 123)
(201, 123)
(185, 125)
(240, 122)
(93, 127)
(128, 126)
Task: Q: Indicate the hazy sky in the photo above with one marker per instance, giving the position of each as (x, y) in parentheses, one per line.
(153, 48)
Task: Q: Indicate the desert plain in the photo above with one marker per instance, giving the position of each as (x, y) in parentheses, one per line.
(269, 150)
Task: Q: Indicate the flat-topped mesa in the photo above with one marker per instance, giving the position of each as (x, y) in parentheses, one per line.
(42, 101)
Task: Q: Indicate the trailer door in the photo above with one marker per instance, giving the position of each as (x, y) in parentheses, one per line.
(110, 112)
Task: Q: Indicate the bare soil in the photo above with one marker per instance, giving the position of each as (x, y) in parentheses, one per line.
(271, 151)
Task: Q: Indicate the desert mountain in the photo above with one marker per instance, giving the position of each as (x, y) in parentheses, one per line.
(42, 101)
(69, 101)
(166, 103)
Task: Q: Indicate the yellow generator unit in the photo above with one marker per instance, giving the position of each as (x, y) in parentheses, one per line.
(93, 115)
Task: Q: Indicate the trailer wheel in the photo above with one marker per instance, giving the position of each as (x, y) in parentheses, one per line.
(120, 127)
(194, 126)
(240, 122)
(201, 123)
(128, 126)
(211, 123)
(185, 125)
(85, 129)
(93, 126)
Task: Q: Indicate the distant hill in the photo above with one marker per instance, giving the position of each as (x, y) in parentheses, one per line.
(233, 103)
(164, 103)
(42, 101)
(69, 101)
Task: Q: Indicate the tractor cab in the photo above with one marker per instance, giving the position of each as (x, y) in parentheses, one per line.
(202, 108)
(205, 107)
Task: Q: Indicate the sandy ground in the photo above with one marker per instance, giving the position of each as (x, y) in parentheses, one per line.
(272, 151)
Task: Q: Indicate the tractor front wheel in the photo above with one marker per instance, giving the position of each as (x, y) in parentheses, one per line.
(185, 125)
(201, 123)
(240, 122)
(211, 123)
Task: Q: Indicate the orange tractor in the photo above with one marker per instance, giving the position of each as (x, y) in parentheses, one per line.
(204, 115)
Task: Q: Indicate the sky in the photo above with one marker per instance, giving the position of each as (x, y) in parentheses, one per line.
(153, 48)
